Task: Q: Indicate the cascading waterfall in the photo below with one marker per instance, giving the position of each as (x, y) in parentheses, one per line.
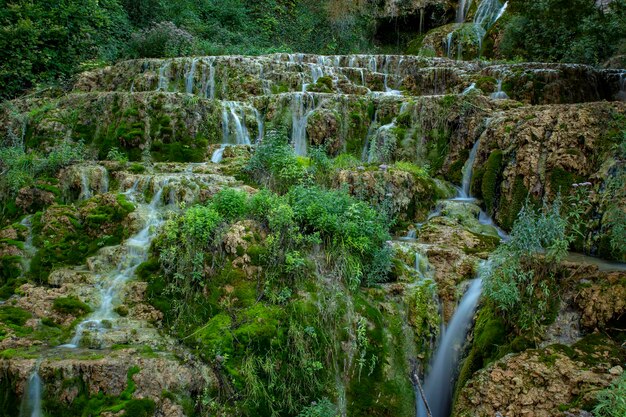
(468, 167)
(422, 265)
(164, 77)
(499, 94)
(371, 132)
(136, 252)
(439, 383)
(31, 401)
(209, 81)
(462, 10)
(302, 106)
(189, 78)
(234, 119)
(488, 13)
(29, 249)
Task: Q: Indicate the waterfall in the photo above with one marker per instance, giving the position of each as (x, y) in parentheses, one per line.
(422, 265)
(31, 401)
(439, 383)
(488, 13)
(371, 132)
(87, 185)
(29, 249)
(302, 106)
(209, 79)
(621, 94)
(449, 44)
(189, 78)
(136, 252)
(234, 122)
(468, 168)
(469, 89)
(462, 9)
(499, 94)
(164, 76)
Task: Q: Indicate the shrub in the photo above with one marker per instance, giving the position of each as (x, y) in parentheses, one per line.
(231, 203)
(275, 164)
(20, 169)
(612, 400)
(521, 278)
(163, 39)
(322, 408)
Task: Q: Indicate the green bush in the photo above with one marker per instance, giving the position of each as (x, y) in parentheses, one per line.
(231, 203)
(275, 164)
(520, 280)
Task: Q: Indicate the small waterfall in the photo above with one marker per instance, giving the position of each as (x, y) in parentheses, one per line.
(208, 80)
(422, 266)
(136, 252)
(439, 383)
(89, 184)
(621, 94)
(371, 132)
(31, 401)
(499, 94)
(469, 89)
(488, 13)
(29, 249)
(373, 64)
(302, 106)
(234, 124)
(462, 9)
(234, 118)
(189, 78)
(468, 168)
(485, 219)
(164, 76)
(85, 191)
(317, 72)
(449, 44)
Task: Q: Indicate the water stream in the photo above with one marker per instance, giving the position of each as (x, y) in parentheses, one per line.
(31, 401)
(439, 383)
(499, 94)
(302, 106)
(111, 284)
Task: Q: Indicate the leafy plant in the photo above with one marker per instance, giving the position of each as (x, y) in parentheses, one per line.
(612, 400)
(521, 278)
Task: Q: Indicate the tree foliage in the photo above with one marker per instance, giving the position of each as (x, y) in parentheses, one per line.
(564, 30)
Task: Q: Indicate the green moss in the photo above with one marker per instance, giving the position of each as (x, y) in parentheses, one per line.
(509, 211)
(455, 170)
(491, 180)
(70, 305)
(561, 180)
(14, 315)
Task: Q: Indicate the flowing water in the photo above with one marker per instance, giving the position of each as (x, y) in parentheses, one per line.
(111, 284)
(439, 383)
(29, 249)
(499, 94)
(164, 77)
(302, 106)
(468, 169)
(234, 129)
(31, 401)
